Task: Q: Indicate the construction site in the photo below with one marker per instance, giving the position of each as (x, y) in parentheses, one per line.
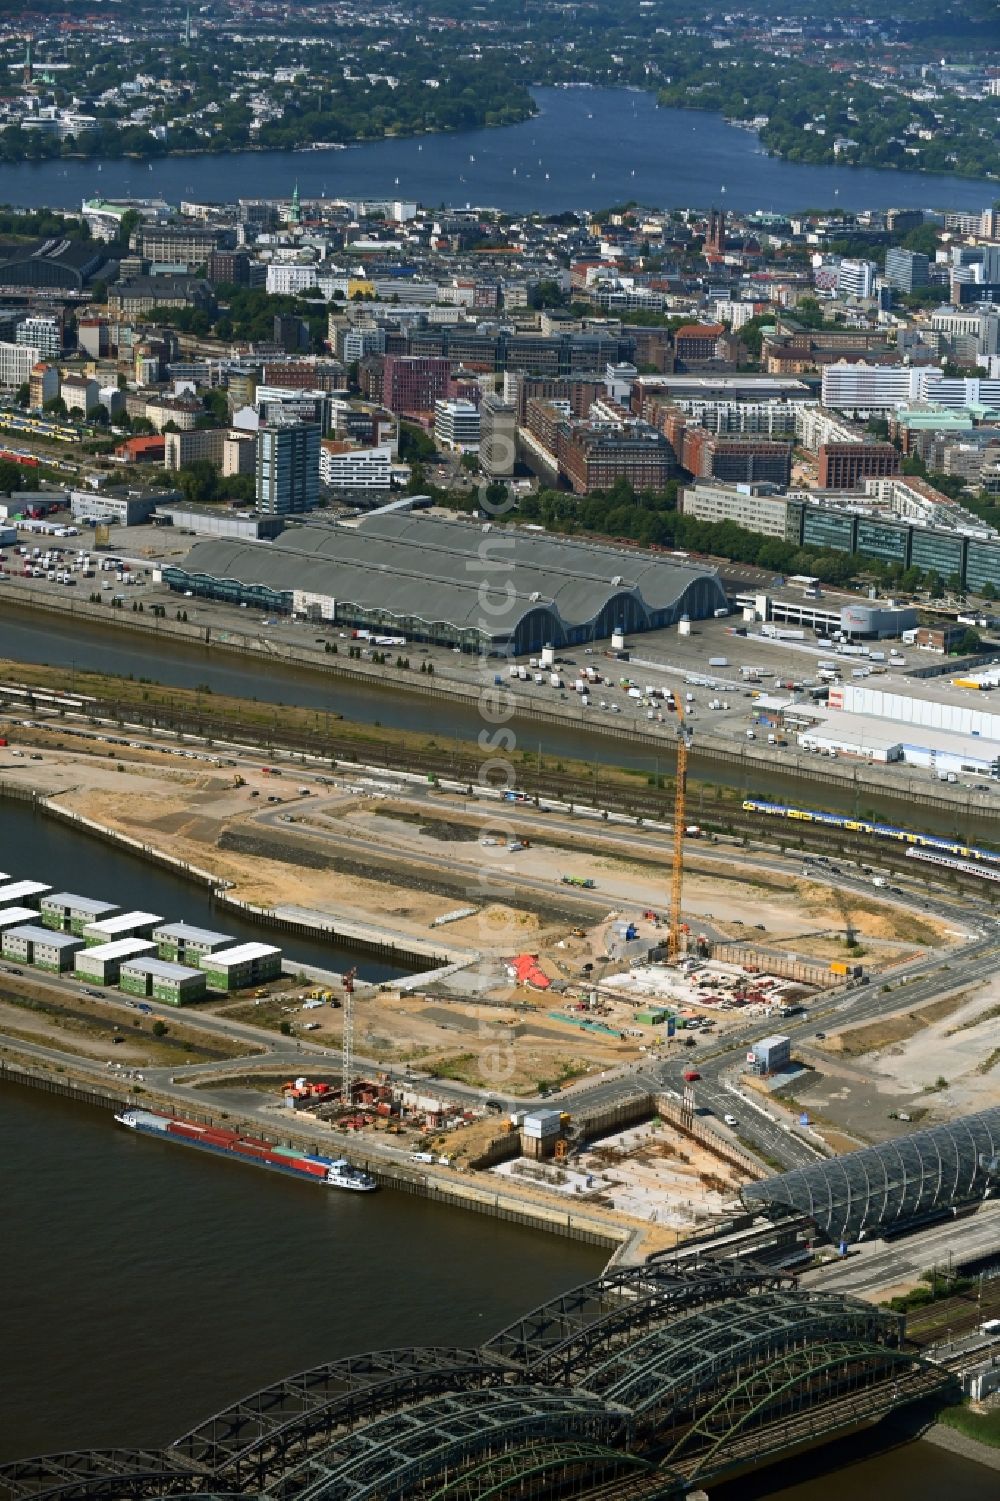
(569, 952)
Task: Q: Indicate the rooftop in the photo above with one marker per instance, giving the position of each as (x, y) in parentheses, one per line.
(161, 969)
(35, 933)
(122, 948)
(189, 933)
(243, 953)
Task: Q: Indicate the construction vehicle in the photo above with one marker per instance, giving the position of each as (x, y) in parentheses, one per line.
(674, 938)
(347, 1061)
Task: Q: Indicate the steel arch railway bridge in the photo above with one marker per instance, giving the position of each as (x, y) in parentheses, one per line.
(634, 1386)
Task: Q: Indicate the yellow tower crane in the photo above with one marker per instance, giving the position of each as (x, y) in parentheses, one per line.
(674, 946)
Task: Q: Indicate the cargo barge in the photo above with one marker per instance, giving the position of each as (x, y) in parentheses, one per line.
(330, 1172)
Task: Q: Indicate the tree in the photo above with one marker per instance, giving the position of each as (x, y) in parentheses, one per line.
(159, 1028)
(989, 591)
(11, 476)
(23, 394)
(971, 642)
(199, 480)
(415, 444)
(56, 406)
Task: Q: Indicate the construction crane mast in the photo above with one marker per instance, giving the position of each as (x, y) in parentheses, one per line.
(680, 824)
(347, 1061)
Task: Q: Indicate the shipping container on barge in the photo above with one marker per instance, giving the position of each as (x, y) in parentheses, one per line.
(330, 1172)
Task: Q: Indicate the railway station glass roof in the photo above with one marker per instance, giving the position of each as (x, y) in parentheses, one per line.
(864, 1193)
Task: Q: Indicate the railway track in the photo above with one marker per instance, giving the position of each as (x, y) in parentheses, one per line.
(713, 808)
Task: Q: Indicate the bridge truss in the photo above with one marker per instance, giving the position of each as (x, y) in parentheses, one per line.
(632, 1387)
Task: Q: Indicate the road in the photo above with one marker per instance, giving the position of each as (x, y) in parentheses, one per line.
(878, 1264)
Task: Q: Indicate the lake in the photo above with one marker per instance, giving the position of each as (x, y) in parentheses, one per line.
(587, 148)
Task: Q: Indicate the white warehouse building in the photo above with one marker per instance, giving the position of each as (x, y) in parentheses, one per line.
(939, 733)
(907, 708)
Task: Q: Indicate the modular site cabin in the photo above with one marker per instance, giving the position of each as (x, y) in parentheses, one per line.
(182, 943)
(40, 947)
(102, 962)
(69, 913)
(237, 968)
(173, 984)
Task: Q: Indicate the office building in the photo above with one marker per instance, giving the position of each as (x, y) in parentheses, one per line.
(413, 383)
(846, 466)
(343, 467)
(695, 342)
(456, 425)
(497, 437)
(229, 449)
(177, 245)
(288, 468)
(758, 508)
(594, 456)
(228, 268)
(737, 460)
(906, 270)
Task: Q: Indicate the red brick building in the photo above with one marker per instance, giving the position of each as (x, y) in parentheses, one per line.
(413, 383)
(698, 341)
(846, 466)
(594, 457)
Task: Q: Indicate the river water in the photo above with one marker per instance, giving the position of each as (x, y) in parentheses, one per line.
(153, 1286)
(587, 148)
(34, 847)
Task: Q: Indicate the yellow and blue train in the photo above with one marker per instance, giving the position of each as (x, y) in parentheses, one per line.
(967, 852)
(39, 427)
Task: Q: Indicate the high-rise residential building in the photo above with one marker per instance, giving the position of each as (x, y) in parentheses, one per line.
(906, 270)
(497, 437)
(41, 332)
(16, 361)
(856, 278)
(287, 468)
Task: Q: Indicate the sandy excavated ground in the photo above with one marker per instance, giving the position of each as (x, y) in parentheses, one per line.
(185, 809)
(962, 1048)
(650, 1173)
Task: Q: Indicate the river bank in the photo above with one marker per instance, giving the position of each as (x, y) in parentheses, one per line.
(624, 744)
(515, 1203)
